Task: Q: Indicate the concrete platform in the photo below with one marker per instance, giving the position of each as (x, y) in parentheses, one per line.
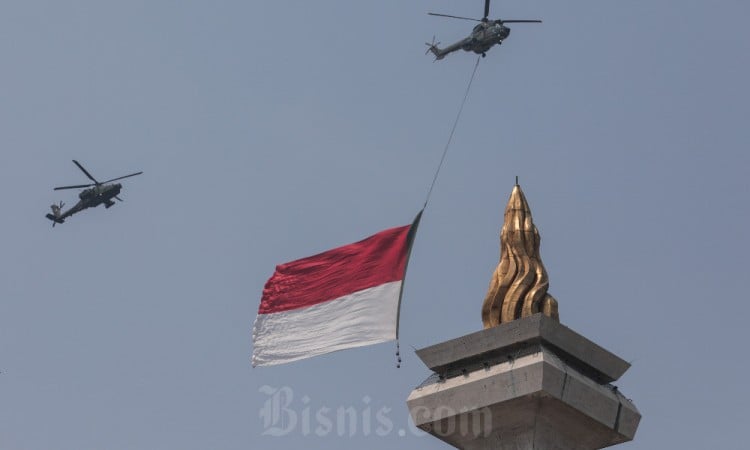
(501, 341)
(528, 384)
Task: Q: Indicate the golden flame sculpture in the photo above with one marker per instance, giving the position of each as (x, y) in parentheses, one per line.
(518, 287)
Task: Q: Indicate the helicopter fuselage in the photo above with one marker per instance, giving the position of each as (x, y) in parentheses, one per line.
(484, 35)
(97, 195)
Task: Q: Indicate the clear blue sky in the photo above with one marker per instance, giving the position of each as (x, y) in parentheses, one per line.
(269, 131)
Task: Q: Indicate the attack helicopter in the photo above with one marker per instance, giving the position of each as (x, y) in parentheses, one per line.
(97, 194)
(486, 34)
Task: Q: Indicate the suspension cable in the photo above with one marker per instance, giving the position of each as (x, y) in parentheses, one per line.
(453, 130)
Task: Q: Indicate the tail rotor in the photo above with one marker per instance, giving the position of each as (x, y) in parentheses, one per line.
(57, 208)
(433, 47)
(56, 213)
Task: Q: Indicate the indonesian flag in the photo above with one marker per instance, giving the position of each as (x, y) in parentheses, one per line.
(342, 298)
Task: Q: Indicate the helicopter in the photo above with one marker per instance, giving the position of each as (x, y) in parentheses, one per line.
(484, 35)
(96, 194)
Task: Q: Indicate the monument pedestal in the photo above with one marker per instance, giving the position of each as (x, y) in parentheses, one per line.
(527, 384)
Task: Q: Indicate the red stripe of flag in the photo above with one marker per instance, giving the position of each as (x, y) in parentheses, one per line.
(378, 259)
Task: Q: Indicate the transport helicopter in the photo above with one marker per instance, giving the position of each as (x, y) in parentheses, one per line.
(96, 194)
(484, 35)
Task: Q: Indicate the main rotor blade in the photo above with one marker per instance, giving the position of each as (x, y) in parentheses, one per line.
(520, 21)
(486, 8)
(120, 178)
(78, 186)
(454, 17)
(84, 171)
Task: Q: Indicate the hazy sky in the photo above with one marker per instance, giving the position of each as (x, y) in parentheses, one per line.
(269, 131)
